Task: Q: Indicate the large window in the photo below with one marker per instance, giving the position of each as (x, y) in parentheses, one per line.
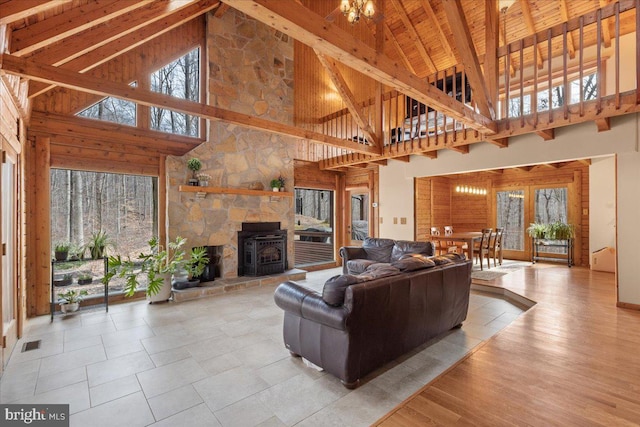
(314, 226)
(112, 109)
(550, 205)
(85, 203)
(180, 79)
(510, 211)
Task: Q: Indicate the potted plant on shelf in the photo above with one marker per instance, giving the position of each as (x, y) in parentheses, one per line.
(194, 164)
(61, 251)
(275, 184)
(157, 267)
(203, 179)
(560, 231)
(281, 179)
(76, 252)
(99, 244)
(85, 278)
(64, 280)
(70, 301)
(537, 230)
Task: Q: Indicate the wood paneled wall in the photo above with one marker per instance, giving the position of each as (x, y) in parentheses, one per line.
(438, 204)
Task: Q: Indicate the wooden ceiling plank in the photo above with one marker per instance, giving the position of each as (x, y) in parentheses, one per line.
(444, 40)
(64, 51)
(603, 124)
(347, 96)
(414, 36)
(398, 48)
(547, 134)
(466, 49)
(564, 13)
(128, 42)
(33, 37)
(15, 10)
(606, 31)
(528, 18)
(299, 22)
(83, 82)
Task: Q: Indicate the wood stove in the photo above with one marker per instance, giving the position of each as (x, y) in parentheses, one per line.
(262, 249)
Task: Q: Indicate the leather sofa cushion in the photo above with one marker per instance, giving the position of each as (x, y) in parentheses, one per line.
(403, 247)
(454, 256)
(378, 249)
(412, 262)
(378, 270)
(334, 289)
(357, 266)
(441, 260)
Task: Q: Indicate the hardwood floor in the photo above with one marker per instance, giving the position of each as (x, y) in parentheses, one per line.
(572, 359)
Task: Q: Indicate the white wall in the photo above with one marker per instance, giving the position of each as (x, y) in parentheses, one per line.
(572, 142)
(602, 203)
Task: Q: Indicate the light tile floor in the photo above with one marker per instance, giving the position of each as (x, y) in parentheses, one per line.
(218, 361)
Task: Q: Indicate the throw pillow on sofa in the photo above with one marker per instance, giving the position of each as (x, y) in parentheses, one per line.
(412, 262)
(454, 256)
(441, 260)
(376, 271)
(378, 249)
(357, 266)
(334, 289)
(404, 247)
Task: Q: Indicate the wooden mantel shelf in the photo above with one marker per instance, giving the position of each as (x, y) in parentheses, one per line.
(202, 191)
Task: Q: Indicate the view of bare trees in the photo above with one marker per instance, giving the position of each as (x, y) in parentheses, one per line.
(123, 206)
(180, 79)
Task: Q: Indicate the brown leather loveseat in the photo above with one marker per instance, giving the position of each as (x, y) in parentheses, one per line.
(361, 322)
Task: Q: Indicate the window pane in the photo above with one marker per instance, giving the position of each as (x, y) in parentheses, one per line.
(359, 216)
(550, 207)
(510, 209)
(112, 109)
(557, 98)
(314, 226)
(180, 79)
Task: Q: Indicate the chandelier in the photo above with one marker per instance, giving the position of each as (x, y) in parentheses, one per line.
(354, 8)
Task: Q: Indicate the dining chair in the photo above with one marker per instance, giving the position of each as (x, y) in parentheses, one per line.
(484, 246)
(435, 231)
(495, 249)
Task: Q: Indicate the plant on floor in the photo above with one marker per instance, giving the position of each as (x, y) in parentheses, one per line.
(70, 301)
(155, 265)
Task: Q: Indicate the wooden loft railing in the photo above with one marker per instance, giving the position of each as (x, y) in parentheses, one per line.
(542, 70)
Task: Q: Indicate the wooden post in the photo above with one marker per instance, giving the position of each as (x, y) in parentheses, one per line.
(39, 293)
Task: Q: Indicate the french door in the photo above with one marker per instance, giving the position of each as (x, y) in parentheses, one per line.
(9, 274)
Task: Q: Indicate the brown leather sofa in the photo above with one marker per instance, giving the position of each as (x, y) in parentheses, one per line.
(366, 324)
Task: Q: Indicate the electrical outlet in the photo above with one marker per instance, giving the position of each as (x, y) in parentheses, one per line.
(403, 221)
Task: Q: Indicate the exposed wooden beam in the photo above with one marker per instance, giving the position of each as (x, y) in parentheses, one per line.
(359, 166)
(430, 154)
(466, 49)
(83, 82)
(220, 11)
(94, 37)
(347, 96)
(128, 42)
(491, 67)
(414, 36)
(405, 159)
(28, 39)
(435, 23)
(499, 142)
(382, 162)
(524, 168)
(606, 31)
(15, 10)
(300, 23)
(462, 149)
(496, 171)
(603, 124)
(564, 13)
(528, 19)
(547, 134)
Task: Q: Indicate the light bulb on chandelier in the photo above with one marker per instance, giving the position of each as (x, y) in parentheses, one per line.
(354, 8)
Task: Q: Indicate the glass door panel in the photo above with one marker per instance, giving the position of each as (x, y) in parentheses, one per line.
(359, 214)
(550, 205)
(510, 215)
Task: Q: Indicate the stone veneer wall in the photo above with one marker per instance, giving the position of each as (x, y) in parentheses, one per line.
(250, 71)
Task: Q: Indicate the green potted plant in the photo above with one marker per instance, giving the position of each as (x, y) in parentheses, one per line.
(282, 182)
(63, 280)
(156, 267)
(61, 251)
(537, 230)
(85, 278)
(275, 184)
(76, 252)
(194, 164)
(98, 244)
(70, 301)
(560, 231)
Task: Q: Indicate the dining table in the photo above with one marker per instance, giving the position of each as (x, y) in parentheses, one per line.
(468, 237)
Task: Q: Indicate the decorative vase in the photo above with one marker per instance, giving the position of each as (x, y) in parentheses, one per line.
(69, 307)
(275, 189)
(203, 183)
(165, 291)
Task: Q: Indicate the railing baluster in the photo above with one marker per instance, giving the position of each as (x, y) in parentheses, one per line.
(565, 77)
(522, 84)
(617, 22)
(599, 60)
(581, 66)
(507, 63)
(534, 95)
(549, 78)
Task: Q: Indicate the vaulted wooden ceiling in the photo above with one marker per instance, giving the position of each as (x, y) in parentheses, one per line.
(419, 39)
